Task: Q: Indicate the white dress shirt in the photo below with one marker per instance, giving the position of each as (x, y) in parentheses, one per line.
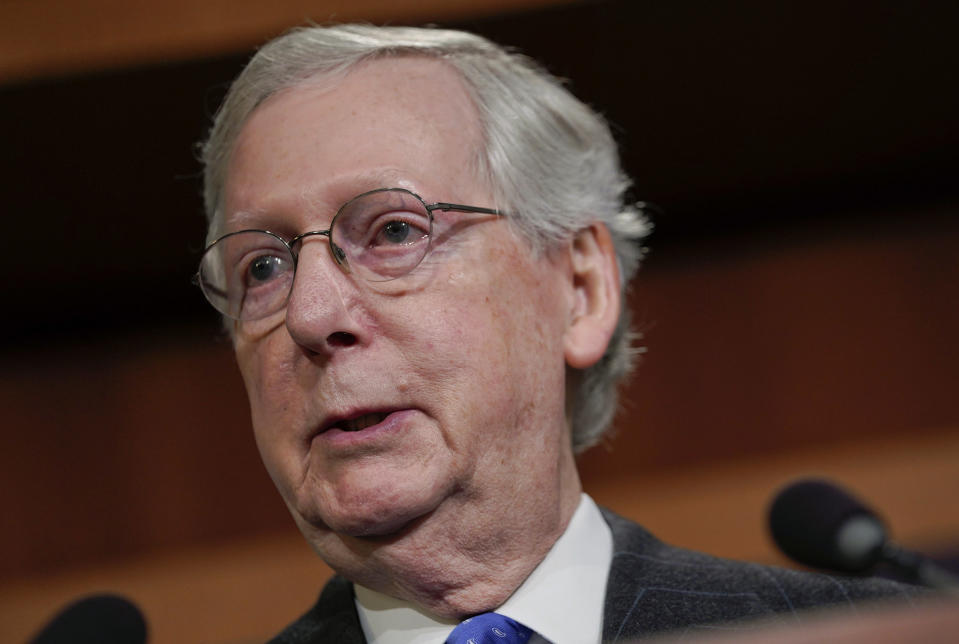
(561, 600)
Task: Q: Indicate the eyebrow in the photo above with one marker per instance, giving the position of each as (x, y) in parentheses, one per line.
(340, 193)
(244, 219)
(373, 179)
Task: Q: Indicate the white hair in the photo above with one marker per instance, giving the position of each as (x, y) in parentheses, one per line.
(550, 160)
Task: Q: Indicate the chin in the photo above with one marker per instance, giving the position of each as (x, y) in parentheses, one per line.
(369, 523)
(371, 511)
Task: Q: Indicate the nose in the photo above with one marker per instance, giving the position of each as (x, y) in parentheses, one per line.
(323, 311)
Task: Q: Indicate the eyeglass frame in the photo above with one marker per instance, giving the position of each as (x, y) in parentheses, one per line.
(339, 256)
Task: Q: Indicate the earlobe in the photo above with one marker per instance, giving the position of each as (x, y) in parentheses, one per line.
(596, 296)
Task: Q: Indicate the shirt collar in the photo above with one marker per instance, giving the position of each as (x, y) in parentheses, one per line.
(562, 599)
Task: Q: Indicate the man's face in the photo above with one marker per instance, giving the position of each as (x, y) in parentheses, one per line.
(458, 368)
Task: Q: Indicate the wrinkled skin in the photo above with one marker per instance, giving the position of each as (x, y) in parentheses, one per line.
(461, 489)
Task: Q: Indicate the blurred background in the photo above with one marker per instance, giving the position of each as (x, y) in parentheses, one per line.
(798, 305)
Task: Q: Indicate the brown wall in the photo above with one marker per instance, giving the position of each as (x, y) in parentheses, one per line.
(50, 37)
(759, 345)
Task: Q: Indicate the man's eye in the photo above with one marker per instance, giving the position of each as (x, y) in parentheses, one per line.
(396, 232)
(264, 268)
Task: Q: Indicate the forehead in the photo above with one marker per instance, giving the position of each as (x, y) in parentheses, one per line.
(406, 122)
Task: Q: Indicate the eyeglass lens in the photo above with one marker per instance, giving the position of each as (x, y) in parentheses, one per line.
(381, 235)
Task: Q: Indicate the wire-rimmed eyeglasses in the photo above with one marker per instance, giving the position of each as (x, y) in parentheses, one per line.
(378, 236)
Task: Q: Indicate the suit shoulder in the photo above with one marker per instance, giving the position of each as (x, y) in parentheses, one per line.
(654, 587)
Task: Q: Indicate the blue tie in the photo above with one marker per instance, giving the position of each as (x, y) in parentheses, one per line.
(489, 628)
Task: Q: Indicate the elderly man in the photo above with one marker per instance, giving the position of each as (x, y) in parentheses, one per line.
(420, 245)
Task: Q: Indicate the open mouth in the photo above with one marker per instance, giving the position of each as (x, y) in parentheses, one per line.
(360, 422)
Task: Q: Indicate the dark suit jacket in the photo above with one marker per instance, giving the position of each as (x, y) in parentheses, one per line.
(652, 588)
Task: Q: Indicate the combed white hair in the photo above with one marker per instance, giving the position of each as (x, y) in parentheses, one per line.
(549, 159)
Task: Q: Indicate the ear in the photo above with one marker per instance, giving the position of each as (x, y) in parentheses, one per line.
(596, 296)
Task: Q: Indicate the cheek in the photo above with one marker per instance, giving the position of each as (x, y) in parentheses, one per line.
(502, 334)
(269, 383)
(527, 306)
(253, 361)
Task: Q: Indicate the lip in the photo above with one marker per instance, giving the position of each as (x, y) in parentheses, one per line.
(331, 434)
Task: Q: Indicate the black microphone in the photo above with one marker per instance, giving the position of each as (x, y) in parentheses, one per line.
(97, 619)
(818, 524)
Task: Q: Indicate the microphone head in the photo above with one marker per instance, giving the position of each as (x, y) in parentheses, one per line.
(818, 524)
(97, 619)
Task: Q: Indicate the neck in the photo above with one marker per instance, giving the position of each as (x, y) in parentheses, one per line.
(466, 557)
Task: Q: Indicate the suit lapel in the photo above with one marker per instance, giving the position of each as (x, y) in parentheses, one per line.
(332, 619)
(628, 539)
